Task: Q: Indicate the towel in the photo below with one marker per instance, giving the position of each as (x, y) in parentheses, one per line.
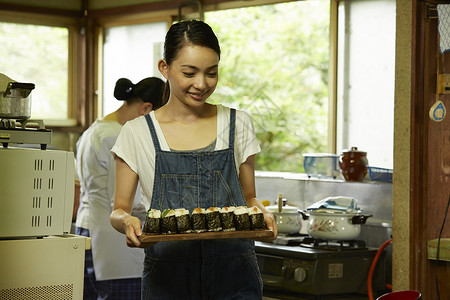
(444, 26)
(341, 203)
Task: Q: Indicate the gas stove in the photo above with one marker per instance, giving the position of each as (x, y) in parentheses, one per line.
(26, 131)
(307, 268)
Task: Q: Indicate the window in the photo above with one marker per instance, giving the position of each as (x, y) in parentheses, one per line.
(365, 88)
(133, 52)
(275, 66)
(39, 54)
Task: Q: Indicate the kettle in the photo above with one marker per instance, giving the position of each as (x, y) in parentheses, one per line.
(287, 217)
(353, 164)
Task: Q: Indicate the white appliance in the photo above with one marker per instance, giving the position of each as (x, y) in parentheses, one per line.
(43, 268)
(36, 192)
(39, 258)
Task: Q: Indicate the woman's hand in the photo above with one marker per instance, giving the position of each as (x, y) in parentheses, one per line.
(270, 225)
(132, 228)
(121, 218)
(270, 222)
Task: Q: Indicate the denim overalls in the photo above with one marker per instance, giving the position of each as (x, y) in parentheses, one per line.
(199, 269)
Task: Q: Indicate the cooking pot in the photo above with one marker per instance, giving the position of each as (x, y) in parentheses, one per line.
(287, 217)
(353, 164)
(15, 99)
(331, 224)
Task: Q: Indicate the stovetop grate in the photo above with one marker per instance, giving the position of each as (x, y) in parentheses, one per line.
(333, 245)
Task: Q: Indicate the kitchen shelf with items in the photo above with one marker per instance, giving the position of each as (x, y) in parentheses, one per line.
(351, 165)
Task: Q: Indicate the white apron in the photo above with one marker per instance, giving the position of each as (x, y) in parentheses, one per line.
(113, 259)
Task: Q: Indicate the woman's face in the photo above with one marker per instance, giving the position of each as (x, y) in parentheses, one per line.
(193, 75)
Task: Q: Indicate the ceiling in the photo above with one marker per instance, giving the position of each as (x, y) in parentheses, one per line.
(77, 5)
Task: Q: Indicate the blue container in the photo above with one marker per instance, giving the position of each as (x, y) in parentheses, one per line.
(322, 165)
(380, 174)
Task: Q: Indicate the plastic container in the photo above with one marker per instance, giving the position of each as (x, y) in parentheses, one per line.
(321, 165)
(380, 174)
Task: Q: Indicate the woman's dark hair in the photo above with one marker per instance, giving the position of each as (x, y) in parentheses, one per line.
(183, 33)
(147, 90)
(193, 32)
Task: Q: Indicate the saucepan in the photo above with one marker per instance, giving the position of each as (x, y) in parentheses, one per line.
(334, 218)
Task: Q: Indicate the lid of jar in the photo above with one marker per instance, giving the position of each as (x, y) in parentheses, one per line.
(354, 150)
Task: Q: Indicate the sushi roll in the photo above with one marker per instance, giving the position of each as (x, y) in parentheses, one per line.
(242, 218)
(168, 222)
(227, 218)
(213, 219)
(198, 220)
(152, 223)
(183, 220)
(256, 218)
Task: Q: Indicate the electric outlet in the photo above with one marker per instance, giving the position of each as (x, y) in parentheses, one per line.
(443, 84)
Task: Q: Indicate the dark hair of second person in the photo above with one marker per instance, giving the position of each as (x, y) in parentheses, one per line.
(147, 90)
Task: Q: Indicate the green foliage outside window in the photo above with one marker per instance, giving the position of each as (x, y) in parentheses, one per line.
(274, 65)
(38, 54)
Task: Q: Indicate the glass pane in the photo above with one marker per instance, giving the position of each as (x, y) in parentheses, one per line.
(366, 73)
(39, 55)
(274, 65)
(131, 52)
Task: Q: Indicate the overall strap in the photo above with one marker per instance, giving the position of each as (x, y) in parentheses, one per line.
(153, 132)
(232, 128)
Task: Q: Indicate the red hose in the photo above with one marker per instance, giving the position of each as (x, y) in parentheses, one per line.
(372, 268)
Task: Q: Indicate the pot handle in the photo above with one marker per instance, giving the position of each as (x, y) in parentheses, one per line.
(305, 215)
(360, 219)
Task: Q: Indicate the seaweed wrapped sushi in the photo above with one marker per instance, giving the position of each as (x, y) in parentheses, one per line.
(198, 220)
(256, 218)
(227, 218)
(168, 222)
(242, 218)
(213, 219)
(183, 220)
(152, 223)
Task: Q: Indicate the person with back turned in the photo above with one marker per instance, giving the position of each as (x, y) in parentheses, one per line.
(107, 277)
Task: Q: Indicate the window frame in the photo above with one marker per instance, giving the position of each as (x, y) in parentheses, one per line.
(73, 85)
(108, 22)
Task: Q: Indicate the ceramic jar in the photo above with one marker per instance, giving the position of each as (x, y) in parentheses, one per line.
(353, 164)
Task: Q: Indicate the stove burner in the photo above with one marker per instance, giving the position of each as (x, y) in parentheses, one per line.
(333, 245)
(291, 239)
(10, 133)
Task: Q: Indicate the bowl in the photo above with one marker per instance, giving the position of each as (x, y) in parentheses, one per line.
(321, 165)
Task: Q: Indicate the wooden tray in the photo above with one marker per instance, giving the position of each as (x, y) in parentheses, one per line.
(252, 234)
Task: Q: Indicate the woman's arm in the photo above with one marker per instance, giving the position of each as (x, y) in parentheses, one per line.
(125, 189)
(247, 179)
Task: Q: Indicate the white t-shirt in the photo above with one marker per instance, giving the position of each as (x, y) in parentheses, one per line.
(113, 259)
(95, 166)
(135, 145)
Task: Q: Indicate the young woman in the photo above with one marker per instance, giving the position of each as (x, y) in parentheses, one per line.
(190, 154)
(105, 276)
